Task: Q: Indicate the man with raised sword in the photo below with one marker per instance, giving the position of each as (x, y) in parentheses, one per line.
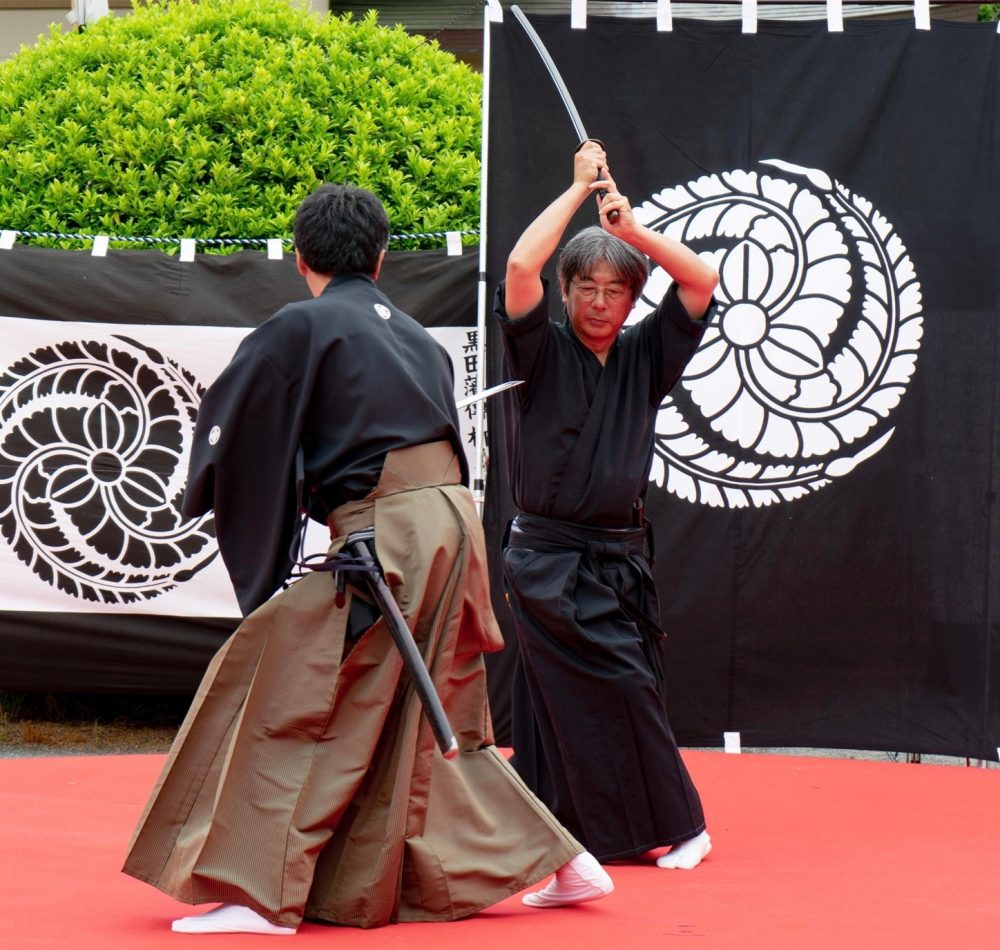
(590, 730)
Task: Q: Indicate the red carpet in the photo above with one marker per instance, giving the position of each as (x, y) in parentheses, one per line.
(809, 853)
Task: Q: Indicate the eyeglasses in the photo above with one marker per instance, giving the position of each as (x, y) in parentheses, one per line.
(589, 292)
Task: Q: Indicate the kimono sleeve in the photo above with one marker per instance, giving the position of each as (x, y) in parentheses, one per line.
(243, 467)
(670, 337)
(525, 340)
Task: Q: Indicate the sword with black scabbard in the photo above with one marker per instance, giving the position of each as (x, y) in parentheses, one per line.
(358, 557)
(361, 545)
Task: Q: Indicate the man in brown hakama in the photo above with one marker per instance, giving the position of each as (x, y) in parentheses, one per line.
(305, 782)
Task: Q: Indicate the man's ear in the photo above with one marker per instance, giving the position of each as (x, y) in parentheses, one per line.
(378, 264)
(300, 264)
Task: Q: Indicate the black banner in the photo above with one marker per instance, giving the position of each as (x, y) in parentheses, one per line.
(824, 484)
(106, 586)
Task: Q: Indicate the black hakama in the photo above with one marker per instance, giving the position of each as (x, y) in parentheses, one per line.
(590, 729)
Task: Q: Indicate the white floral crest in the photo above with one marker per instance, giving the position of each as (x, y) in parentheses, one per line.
(804, 361)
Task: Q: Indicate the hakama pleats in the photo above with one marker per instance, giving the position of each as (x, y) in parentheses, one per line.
(305, 781)
(590, 729)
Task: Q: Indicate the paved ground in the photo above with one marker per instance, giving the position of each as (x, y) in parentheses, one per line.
(36, 724)
(26, 740)
(32, 726)
(69, 739)
(875, 756)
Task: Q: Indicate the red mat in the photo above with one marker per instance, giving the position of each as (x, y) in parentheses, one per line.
(809, 853)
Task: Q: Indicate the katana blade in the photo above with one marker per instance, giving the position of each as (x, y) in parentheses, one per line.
(486, 393)
(557, 80)
(536, 41)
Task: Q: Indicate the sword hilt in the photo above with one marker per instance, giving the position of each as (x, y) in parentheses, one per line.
(612, 215)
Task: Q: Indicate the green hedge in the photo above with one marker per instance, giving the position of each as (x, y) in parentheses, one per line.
(215, 118)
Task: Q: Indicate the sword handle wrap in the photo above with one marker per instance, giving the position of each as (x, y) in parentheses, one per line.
(612, 215)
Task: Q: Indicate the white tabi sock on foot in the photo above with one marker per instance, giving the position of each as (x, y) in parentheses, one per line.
(687, 854)
(229, 919)
(582, 879)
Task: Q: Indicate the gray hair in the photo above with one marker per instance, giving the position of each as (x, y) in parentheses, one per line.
(593, 246)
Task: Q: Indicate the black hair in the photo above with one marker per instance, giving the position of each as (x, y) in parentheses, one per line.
(341, 229)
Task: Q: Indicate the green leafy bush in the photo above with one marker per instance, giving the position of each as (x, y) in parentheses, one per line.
(215, 118)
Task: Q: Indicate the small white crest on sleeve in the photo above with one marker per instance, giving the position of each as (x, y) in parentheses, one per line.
(383, 311)
(214, 435)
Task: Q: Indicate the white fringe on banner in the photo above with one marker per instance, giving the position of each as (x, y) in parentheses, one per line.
(664, 16)
(835, 16)
(274, 246)
(578, 15)
(749, 16)
(494, 11)
(922, 14)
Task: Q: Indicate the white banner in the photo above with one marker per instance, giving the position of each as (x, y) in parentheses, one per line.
(97, 422)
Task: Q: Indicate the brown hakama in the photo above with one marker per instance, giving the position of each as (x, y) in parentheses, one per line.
(305, 781)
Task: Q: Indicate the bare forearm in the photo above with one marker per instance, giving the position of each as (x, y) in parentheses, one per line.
(696, 279)
(541, 238)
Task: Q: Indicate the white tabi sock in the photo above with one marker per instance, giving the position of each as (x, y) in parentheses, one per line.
(229, 919)
(687, 854)
(582, 879)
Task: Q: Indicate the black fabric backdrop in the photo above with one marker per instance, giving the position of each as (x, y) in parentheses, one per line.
(863, 613)
(126, 648)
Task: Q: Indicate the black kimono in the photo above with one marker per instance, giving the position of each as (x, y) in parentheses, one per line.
(590, 730)
(295, 381)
